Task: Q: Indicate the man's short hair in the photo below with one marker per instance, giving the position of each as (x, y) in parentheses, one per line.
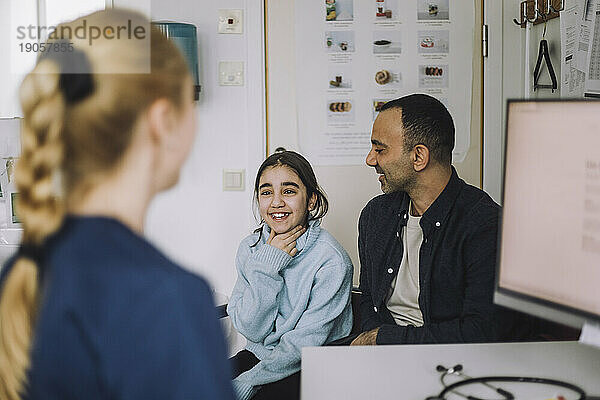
(426, 121)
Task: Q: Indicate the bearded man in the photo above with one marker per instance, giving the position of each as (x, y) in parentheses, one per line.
(427, 246)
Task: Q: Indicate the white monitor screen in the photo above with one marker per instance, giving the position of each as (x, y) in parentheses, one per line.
(550, 238)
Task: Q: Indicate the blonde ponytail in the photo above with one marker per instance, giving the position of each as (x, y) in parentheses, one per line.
(41, 211)
(17, 310)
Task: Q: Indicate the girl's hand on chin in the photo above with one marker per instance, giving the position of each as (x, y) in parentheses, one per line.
(286, 241)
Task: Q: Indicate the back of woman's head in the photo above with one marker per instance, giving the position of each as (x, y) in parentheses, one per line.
(76, 129)
(304, 170)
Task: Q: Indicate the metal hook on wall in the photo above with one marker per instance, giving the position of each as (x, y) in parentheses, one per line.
(538, 11)
(543, 12)
(552, 9)
(524, 15)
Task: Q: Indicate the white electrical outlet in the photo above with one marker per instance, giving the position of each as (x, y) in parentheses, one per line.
(231, 21)
(231, 73)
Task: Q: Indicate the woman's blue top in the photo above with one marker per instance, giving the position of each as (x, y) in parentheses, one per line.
(118, 320)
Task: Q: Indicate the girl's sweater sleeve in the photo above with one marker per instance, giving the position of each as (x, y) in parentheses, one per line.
(329, 299)
(253, 305)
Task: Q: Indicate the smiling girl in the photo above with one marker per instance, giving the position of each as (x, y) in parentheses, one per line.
(294, 281)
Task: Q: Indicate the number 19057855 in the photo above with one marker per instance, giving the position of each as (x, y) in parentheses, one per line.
(45, 47)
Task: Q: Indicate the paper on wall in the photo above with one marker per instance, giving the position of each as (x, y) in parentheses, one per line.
(592, 80)
(354, 55)
(572, 79)
(584, 33)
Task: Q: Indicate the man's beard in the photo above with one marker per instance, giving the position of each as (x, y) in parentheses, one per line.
(401, 184)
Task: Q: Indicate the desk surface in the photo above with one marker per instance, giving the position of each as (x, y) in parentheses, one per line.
(408, 372)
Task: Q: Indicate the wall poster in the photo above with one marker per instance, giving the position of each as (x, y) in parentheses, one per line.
(354, 55)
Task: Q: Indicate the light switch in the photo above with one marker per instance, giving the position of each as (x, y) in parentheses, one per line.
(231, 73)
(231, 21)
(233, 179)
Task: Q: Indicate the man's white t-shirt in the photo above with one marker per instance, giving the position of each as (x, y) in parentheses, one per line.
(403, 301)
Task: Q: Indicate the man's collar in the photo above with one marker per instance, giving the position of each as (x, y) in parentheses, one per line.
(403, 211)
(436, 214)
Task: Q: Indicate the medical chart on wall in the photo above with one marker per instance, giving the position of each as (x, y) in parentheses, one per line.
(575, 24)
(580, 49)
(592, 81)
(352, 56)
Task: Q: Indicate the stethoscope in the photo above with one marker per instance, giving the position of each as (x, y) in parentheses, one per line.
(485, 380)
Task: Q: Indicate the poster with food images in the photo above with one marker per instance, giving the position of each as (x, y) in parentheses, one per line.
(353, 56)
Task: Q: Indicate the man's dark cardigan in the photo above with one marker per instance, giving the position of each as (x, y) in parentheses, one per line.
(456, 265)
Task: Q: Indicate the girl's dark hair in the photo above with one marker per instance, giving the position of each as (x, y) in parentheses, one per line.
(303, 169)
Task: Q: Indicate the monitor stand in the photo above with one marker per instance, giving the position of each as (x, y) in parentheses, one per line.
(590, 334)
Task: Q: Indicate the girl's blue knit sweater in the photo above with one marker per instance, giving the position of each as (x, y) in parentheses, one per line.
(282, 303)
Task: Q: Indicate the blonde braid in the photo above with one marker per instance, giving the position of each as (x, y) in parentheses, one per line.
(41, 212)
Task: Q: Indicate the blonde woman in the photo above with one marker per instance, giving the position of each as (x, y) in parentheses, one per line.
(88, 308)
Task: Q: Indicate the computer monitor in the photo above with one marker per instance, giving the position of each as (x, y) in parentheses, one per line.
(549, 254)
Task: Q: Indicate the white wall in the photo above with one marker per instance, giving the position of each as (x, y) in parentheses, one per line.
(14, 13)
(508, 74)
(197, 224)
